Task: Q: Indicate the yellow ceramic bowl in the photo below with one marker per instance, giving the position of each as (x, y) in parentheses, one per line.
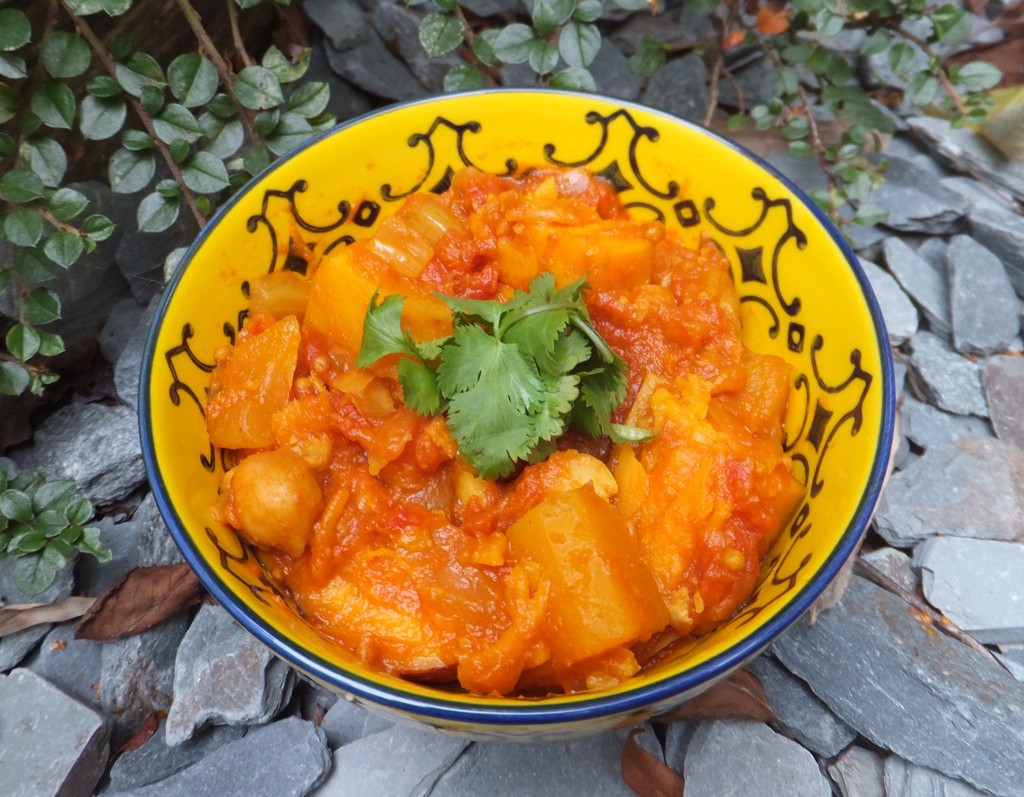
(804, 298)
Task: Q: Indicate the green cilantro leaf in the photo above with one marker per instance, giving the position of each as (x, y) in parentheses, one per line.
(383, 333)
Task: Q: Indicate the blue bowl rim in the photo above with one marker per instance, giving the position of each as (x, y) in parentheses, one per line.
(526, 713)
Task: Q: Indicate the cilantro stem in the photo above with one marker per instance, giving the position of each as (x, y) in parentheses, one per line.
(577, 319)
(526, 312)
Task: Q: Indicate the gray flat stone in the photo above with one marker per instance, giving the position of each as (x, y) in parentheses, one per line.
(347, 100)
(156, 760)
(50, 744)
(1003, 380)
(95, 445)
(14, 647)
(342, 21)
(140, 256)
(1001, 231)
(742, 757)
(1012, 658)
(677, 740)
(371, 66)
(973, 487)
(128, 368)
(895, 564)
(977, 584)
(117, 329)
(346, 722)
(858, 772)
(984, 310)
(627, 37)
(933, 251)
(903, 779)
(925, 696)
(400, 760)
(680, 88)
(806, 719)
(927, 426)
(916, 202)
(924, 283)
(613, 75)
(898, 311)
(949, 380)
(224, 676)
(755, 83)
(288, 758)
(72, 665)
(964, 150)
(399, 27)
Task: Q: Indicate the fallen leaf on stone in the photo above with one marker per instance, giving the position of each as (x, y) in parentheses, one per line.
(19, 616)
(143, 598)
(145, 733)
(740, 696)
(645, 774)
(773, 18)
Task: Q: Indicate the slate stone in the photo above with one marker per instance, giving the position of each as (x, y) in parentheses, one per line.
(977, 584)
(916, 202)
(933, 251)
(400, 760)
(371, 66)
(903, 779)
(342, 21)
(288, 758)
(95, 445)
(589, 766)
(743, 757)
(900, 315)
(346, 722)
(141, 255)
(224, 676)
(1012, 658)
(677, 740)
(1001, 231)
(805, 718)
(154, 544)
(346, 101)
(866, 239)
(490, 8)
(973, 487)
(117, 330)
(984, 310)
(964, 150)
(858, 772)
(613, 75)
(805, 172)
(680, 88)
(128, 368)
(14, 647)
(949, 380)
(50, 744)
(755, 82)
(156, 760)
(1003, 380)
(627, 37)
(924, 284)
(72, 665)
(137, 675)
(399, 27)
(93, 576)
(922, 694)
(927, 426)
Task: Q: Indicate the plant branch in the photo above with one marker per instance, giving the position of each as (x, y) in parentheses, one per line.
(53, 220)
(209, 49)
(108, 62)
(940, 73)
(236, 34)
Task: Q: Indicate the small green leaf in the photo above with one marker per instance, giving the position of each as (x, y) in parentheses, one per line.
(111, 8)
(16, 505)
(801, 148)
(28, 542)
(256, 159)
(543, 57)
(14, 380)
(310, 99)
(23, 342)
(168, 188)
(953, 25)
(138, 71)
(828, 22)
(91, 543)
(34, 266)
(573, 79)
(23, 227)
(12, 66)
(649, 58)
(192, 79)
(58, 553)
(257, 88)
(922, 89)
(870, 213)
(284, 69)
(588, 10)
(514, 43)
(50, 522)
(63, 54)
(50, 344)
(7, 145)
(54, 104)
(224, 137)
(440, 33)
(6, 280)
(130, 171)
(15, 29)
(579, 44)
(20, 186)
(902, 58)
(101, 117)
(136, 140)
(64, 247)
(9, 103)
(152, 99)
(483, 47)
(223, 106)
(66, 203)
(205, 173)
(266, 121)
(103, 86)
(46, 158)
(79, 511)
(547, 15)
(179, 149)
(977, 76)
(177, 122)
(156, 212)
(41, 307)
(464, 78)
(635, 5)
(98, 227)
(290, 132)
(33, 574)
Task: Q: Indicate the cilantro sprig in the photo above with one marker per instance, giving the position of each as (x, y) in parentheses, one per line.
(512, 377)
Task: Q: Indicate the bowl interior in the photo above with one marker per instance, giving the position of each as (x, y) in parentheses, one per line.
(803, 295)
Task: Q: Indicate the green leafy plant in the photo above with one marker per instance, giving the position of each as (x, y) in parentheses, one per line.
(43, 524)
(188, 134)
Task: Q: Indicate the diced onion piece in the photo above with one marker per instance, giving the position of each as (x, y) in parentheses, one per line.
(429, 218)
(401, 247)
(279, 293)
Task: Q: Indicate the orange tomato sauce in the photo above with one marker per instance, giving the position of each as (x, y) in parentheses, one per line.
(570, 575)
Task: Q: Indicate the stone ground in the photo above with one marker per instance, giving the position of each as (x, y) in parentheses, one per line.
(872, 699)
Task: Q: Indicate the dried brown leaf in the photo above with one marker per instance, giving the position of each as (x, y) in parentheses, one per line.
(145, 733)
(143, 598)
(740, 696)
(645, 774)
(19, 616)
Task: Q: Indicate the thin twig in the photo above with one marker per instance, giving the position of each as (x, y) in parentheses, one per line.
(54, 221)
(236, 34)
(108, 62)
(944, 80)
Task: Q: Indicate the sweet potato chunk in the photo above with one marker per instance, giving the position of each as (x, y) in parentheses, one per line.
(602, 595)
